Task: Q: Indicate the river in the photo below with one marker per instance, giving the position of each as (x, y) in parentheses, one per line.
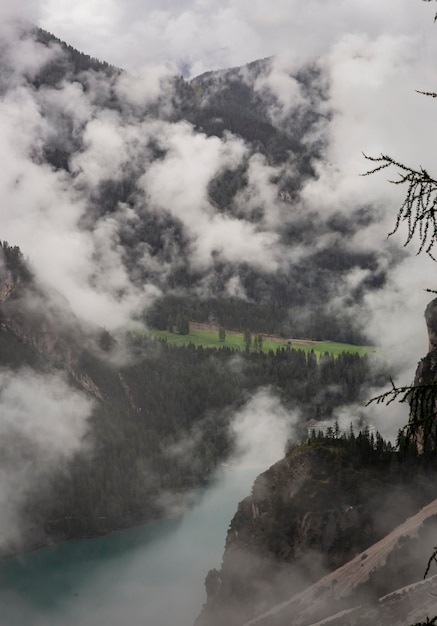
(148, 576)
(151, 575)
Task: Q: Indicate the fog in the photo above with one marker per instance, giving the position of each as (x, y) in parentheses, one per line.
(152, 575)
(370, 106)
(372, 58)
(43, 422)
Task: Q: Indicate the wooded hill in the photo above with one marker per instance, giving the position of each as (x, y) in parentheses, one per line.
(144, 407)
(293, 299)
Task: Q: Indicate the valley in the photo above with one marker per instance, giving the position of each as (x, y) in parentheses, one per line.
(208, 316)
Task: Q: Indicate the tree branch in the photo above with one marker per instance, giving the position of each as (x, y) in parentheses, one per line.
(419, 209)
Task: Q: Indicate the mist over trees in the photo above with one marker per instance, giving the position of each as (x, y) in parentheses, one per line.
(159, 425)
(186, 202)
(238, 248)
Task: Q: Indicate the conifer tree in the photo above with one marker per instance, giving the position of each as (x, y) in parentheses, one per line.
(419, 212)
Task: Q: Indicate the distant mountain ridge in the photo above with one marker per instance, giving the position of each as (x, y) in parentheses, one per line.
(235, 103)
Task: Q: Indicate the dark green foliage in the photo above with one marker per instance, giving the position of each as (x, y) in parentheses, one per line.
(247, 339)
(72, 61)
(366, 448)
(268, 316)
(182, 324)
(163, 426)
(15, 262)
(258, 343)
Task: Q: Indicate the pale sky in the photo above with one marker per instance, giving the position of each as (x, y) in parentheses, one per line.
(197, 35)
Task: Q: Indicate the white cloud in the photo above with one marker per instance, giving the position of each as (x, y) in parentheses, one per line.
(202, 35)
(44, 421)
(178, 183)
(42, 209)
(44, 410)
(261, 429)
(374, 60)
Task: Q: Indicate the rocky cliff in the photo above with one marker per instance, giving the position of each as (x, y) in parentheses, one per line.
(320, 519)
(307, 515)
(422, 424)
(42, 322)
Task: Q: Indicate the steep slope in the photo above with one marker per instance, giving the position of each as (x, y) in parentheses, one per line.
(131, 394)
(307, 515)
(380, 582)
(331, 506)
(423, 403)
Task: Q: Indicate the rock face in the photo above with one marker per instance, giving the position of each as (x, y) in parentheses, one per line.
(388, 565)
(431, 323)
(323, 538)
(308, 515)
(44, 325)
(424, 405)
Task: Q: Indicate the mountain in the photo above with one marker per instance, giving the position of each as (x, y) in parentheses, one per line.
(140, 201)
(231, 239)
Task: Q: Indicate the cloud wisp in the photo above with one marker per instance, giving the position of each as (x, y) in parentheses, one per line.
(197, 36)
(43, 421)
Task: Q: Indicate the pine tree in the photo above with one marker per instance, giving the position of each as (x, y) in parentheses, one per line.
(222, 334)
(247, 339)
(419, 212)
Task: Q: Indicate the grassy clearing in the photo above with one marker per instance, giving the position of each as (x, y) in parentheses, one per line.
(209, 339)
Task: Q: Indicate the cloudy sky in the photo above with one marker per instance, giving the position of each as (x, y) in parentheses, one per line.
(198, 35)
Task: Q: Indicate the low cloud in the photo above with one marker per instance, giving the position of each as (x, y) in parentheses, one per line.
(198, 36)
(44, 422)
(43, 209)
(261, 429)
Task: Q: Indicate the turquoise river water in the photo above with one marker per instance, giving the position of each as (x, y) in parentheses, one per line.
(148, 576)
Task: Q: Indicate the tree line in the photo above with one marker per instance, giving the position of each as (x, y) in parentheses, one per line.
(173, 430)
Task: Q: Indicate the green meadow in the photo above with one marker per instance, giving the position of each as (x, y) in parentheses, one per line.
(210, 339)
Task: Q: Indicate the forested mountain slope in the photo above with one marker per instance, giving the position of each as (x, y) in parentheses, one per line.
(198, 189)
(141, 200)
(133, 424)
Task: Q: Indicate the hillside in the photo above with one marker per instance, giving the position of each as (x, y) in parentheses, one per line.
(200, 198)
(133, 424)
(324, 536)
(309, 514)
(139, 203)
(137, 206)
